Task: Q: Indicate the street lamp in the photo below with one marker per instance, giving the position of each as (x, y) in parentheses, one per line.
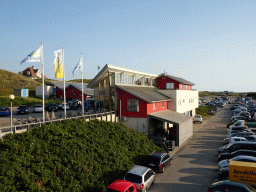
(11, 97)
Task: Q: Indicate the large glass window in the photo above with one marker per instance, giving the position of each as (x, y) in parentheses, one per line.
(147, 81)
(138, 80)
(117, 78)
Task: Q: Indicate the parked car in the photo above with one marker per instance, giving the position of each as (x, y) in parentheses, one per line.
(250, 136)
(237, 139)
(121, 186)
(158, 161)
(22, 109)
(52, 107)
(244, 158)
(236, 146)
(142, 177)
(237, 131)
(230, 186)
(62, 106)
(4, 111)
(237, 153)
(223, 173)
(38, 109)
(197, 118)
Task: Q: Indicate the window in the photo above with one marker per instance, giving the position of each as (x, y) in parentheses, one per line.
(183, 100)
(154, 106)
(162, 104)
(186, 87)
(117, 78)
(169, 85)
(132, 105)
(131, 189)
(179, 103)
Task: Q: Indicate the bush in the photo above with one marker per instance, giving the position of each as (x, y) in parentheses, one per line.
(70, 156)
(203, 111)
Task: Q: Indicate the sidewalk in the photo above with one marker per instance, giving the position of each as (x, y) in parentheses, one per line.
(196, 128)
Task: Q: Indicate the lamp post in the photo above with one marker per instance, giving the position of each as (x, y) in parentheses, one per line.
(11, 97)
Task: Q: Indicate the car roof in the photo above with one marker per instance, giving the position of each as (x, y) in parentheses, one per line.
(120, 185)
(237, 137)
(227, 183)
(138, 170)
(244, 157)
(157, 154)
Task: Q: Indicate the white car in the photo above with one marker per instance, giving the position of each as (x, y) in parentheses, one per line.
(237, 139)
(38, 109)
(197, 118)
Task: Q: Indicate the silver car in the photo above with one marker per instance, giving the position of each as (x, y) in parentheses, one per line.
(142, 177)
(38, 109)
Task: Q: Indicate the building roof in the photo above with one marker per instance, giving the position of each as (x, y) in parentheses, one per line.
(112, 69)
(178, 79)
(32, 72)
(86, 90)
(170, 116)
(146, 93)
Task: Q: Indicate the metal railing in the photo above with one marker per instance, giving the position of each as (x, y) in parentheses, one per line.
(27, 124)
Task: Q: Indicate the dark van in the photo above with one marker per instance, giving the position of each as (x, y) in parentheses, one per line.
(236, 146)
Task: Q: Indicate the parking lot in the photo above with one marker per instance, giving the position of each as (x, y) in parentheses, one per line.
(195, 163)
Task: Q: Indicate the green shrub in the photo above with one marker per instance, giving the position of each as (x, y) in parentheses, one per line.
(70, 156)
(203, 111)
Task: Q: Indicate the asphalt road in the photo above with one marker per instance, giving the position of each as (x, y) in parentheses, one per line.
(194, 165)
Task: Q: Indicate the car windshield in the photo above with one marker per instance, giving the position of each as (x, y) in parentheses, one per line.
(3, 109)
(22, 107)
(133, 178)
(38, 105)
(111, 190)
(152, 159)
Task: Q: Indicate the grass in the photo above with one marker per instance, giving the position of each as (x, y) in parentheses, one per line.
(203, 111)
(10, 81)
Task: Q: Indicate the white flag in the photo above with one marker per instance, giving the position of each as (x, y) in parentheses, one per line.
(35, 56)
(79, 66)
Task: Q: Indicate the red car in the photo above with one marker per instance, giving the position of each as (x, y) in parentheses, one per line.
(121, 186)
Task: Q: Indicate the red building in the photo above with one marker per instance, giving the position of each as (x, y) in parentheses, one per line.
(73, 90)
(146, 102)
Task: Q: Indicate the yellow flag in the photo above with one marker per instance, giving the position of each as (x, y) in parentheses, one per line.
(58, 65)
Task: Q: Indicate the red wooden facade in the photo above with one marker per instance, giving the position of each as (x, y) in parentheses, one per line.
(71, 92)
(144, 107)
(161, 83)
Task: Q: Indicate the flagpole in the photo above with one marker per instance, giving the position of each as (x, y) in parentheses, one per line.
(81, 60)
(43, 81)
(65, 110)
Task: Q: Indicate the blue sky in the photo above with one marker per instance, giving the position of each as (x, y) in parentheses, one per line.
(210, 43)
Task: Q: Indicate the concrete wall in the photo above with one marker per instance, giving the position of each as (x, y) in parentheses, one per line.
(139, 124)
(185, 131)
(48, 90)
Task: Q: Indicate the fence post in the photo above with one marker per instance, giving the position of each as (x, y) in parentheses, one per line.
(14, 130)
(28, 128)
